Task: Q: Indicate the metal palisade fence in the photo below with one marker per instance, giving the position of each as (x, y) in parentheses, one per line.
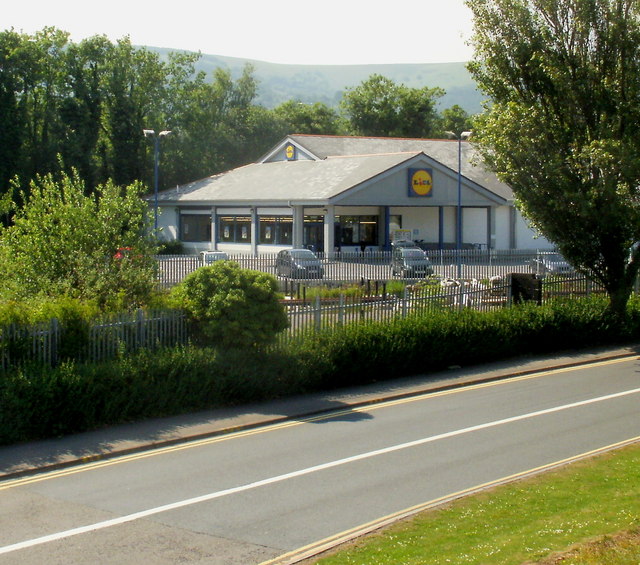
(310, 314)
(120, 335)
(372, 265)
(106, 338)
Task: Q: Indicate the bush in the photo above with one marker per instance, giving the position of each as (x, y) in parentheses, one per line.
(357, 354)
(38, 402)
(172, 247)
(63, 242)
(73, 316)
(231, 307)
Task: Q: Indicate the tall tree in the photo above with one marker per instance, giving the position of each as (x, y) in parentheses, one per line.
(134, 83)
(456, 119)
(316, 119)
(13, 119)
(30, 93)
(81, 107)
(380, 107)
(213, 122)
(564, 80)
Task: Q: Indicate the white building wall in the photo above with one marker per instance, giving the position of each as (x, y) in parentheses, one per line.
(167, 223)
(527, 238)
(474, 225)
(502, 228)
(449, 219)
(424, 223)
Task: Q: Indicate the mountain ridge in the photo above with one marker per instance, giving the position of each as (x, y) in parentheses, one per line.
(278, 82)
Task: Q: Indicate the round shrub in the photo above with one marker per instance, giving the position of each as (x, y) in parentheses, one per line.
(231, 307)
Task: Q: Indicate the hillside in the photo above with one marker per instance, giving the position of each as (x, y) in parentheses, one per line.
(325, 83)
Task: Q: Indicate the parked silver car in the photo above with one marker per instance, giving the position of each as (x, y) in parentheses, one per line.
(550, 263)
(299, 264)
(209, 257)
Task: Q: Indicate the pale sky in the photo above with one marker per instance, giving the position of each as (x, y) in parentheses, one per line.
(321, 32)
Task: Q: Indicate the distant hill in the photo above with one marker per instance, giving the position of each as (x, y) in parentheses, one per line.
(326, 83)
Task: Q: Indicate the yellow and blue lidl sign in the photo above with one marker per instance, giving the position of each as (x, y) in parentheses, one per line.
(290, 152)
(420, 182)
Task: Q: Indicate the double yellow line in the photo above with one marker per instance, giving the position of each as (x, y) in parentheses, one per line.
(227, 435)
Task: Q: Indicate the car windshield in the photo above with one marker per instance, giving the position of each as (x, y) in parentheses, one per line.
(404, 243)
(303, 254)
(413, 253)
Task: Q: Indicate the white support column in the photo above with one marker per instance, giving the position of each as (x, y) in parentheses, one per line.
(254, 231)
(491, 220)
(298, 226)
(513, 243)
(329, 231)
(214, 229)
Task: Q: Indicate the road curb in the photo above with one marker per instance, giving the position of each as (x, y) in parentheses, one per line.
(349, 404)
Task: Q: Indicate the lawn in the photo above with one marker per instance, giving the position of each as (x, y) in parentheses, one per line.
(586, 513)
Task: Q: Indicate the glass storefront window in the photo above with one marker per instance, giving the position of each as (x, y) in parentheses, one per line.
(195, 227)
(276, 230)
(234, 229)
(358, 230)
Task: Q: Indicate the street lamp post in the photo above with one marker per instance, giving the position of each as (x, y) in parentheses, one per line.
(156, 159)
(463, 135)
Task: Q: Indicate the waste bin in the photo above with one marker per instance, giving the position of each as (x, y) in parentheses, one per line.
(526, 287)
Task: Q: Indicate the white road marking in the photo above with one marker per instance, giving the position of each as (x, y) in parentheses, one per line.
(272, 480)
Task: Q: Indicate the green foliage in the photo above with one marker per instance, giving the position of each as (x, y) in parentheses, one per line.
(88, 102)
(173, 247)
(231, 307)
(421, 344)
(315, 119)
(562, 126)
(38, 401)
(63, 243)
(456, 119)
(552, 518)
(72, 316)
(379, 107)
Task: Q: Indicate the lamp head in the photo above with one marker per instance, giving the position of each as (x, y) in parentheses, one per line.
(148, 132)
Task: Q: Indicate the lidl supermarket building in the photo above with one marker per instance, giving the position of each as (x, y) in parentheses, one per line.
(347, 193)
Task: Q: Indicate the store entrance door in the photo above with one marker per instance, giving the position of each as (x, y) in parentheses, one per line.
(313, 235)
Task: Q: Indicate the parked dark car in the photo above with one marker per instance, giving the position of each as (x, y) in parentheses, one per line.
(299, 264)
(410, 262)
(550, 263)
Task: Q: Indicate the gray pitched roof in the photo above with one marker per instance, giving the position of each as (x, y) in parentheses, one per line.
(342, 163)
(287, 180)
(444, 151)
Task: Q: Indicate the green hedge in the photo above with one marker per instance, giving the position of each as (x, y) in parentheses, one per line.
(42, 402)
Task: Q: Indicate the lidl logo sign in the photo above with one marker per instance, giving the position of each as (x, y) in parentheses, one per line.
(420, 182)
(290, 152)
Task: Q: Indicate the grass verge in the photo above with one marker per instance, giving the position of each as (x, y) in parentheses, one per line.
(536, 520)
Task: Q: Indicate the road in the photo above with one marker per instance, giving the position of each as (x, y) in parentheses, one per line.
(250, 497)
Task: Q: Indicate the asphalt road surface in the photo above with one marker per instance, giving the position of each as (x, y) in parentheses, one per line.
(252, 496)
